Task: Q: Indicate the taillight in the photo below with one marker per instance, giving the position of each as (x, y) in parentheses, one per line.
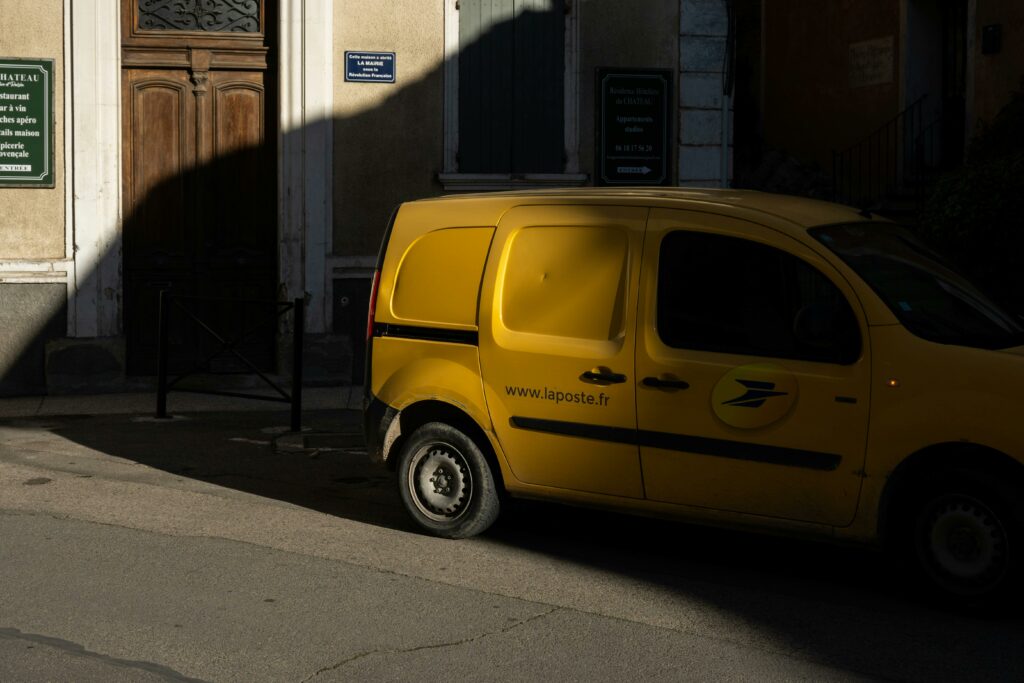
(371, 313)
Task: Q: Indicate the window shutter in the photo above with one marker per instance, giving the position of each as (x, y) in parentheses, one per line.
(486, 58)
(538, 141)
(511, 83)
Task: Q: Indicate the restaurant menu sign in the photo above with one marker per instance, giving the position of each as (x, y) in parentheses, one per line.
(634, 120)
(26, 122)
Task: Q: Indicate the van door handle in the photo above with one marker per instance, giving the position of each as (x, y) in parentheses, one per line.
(602, 376)
(658, 383)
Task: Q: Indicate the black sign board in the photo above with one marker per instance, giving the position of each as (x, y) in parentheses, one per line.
(26, 122)
(633, 123)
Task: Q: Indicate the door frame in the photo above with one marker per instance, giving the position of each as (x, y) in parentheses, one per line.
(305, 69)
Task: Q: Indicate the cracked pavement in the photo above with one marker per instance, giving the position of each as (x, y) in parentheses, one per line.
(214, 548)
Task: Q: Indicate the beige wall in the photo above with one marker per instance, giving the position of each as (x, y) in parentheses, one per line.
(997, 76)
(33, 218)
(388, 138)
(622, 34)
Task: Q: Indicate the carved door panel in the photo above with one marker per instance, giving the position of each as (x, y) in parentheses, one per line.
(199, 175)
(236, 196)
(159, 229)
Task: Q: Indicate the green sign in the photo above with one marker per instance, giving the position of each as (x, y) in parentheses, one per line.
(26, 122)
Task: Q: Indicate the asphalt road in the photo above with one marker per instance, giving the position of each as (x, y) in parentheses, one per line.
(215, 548)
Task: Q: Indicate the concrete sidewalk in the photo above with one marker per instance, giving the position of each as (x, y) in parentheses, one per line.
(313, 398)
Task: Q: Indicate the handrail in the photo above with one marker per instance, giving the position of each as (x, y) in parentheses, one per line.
(891, 161)
(912, 107)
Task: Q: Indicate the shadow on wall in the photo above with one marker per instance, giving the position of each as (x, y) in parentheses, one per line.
(211, 231)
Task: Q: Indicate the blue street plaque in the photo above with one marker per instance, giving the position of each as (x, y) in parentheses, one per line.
(370, 67)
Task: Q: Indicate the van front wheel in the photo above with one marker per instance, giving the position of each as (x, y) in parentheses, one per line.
(968, 540)
(446, 483)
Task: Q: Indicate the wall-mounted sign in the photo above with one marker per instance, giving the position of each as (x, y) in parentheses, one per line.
(26, 122)
(370, 67)
(871, 62)
(633, 124)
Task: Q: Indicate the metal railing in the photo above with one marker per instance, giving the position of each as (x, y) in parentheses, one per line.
(166, 385)
(893, 162)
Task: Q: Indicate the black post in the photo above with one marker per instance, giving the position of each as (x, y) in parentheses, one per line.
(163, 312)
(299, 323)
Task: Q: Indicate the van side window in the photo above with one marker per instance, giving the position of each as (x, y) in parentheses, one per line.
(731, 295)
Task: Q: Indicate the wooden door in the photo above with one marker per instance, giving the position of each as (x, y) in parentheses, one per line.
(199, 176)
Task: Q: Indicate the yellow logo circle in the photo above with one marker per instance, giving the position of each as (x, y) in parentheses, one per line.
(755, 395)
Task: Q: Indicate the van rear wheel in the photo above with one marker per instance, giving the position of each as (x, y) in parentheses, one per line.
(445, 482)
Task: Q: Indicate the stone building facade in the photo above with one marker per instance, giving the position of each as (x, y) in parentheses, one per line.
(224, 150)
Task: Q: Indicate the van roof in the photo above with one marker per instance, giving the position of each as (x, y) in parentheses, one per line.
(800, 210)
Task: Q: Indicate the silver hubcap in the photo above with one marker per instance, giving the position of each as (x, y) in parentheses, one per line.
(440, 482)
(966, 542)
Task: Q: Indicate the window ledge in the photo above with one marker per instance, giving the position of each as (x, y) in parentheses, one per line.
(483, 182)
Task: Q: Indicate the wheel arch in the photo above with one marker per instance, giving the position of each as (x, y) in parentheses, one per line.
(915, 470)
(416, 414)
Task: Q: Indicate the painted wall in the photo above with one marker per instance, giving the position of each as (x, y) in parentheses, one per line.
(821, 91)
(622, 34)
(33, 219)
(998, 75)
(388, 144)
(388, 138)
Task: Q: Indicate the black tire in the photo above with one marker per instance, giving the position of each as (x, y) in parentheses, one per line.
(964, 534)
(445, 482)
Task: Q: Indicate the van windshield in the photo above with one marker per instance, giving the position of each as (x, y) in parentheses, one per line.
(928, 296)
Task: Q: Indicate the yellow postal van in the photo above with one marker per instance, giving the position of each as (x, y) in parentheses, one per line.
(728, 357)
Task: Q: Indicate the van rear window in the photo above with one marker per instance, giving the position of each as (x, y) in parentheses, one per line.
(566, 282)
(438, 279)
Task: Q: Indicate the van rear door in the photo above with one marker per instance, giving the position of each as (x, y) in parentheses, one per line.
(557, 328)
